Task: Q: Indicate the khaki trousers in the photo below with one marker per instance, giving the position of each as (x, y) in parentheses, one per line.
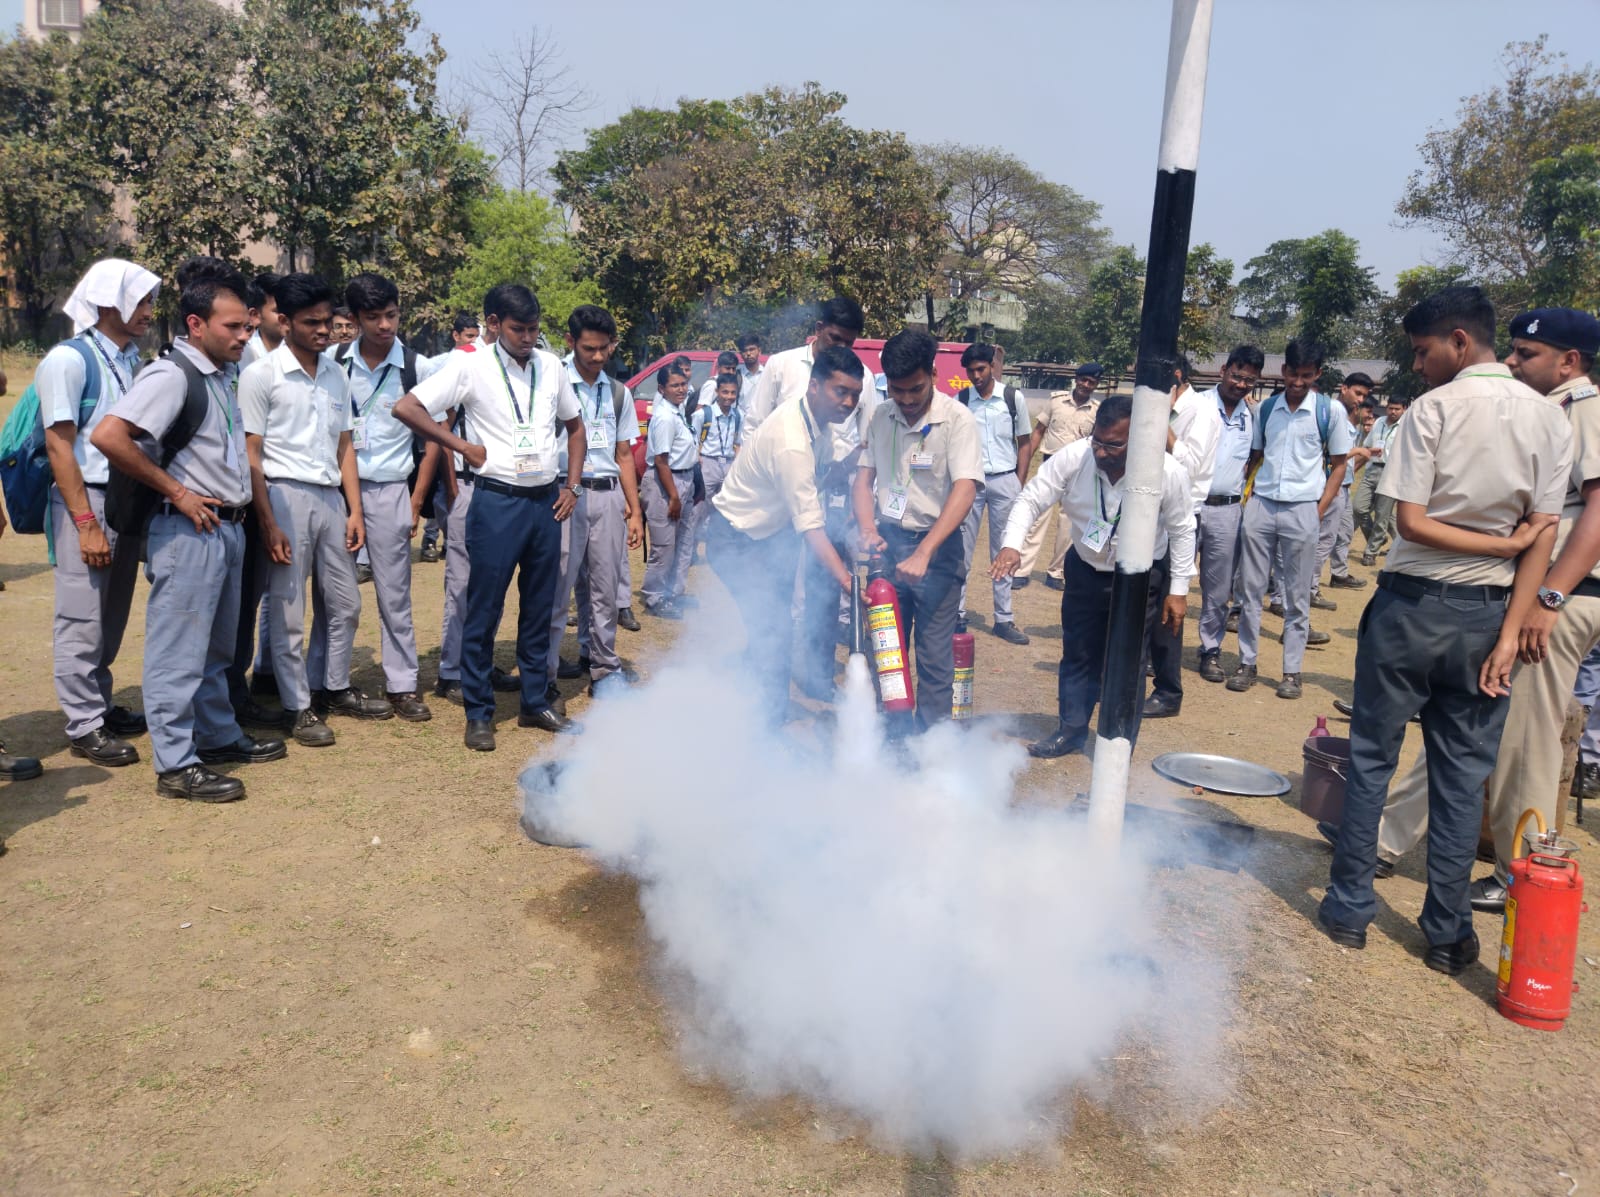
(1528, 770)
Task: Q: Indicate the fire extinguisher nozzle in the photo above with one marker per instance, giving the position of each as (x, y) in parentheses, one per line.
(858, 631)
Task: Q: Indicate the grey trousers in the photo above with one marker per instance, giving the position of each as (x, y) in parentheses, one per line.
(671, 541)
(312, 517)
(1334, 534)
(995, 496)
(457, 568)
(91, 614)
(1374, 513)
(1281, 539)
(1219, 562)
(190, 631)
(714, 470)
(386, 510)
(593, 538)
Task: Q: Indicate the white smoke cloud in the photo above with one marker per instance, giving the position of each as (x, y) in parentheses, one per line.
(885, 936)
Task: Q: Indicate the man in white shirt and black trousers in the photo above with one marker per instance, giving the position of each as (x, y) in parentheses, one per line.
(517, 399)
(1086, 479)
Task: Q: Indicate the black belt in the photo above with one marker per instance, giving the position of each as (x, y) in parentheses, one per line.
(1223, 500)
(95, 485)
(516, 492)
(1588, 588)
(226, 515)
(1001, 473)
(897, 530)
(1411, 586)
(601, 483)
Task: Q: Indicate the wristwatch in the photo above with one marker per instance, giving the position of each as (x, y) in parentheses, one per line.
(1551, 600)
(576, 490)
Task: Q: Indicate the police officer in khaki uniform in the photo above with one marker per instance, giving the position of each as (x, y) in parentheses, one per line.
(1068, 417)
(920, 468)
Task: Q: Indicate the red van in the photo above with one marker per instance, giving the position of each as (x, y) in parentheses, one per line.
(948, 377)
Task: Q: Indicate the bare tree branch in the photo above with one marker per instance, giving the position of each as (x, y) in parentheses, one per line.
(521, 102)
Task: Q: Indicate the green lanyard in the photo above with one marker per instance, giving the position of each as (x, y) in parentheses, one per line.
(516, 408)
(894, 443)
(377, 389)
(225, 408)
(1100, 494)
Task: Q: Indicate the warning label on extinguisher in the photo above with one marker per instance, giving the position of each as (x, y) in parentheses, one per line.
(884, 640)
(880, 617)
(888, 658)
(892, 686)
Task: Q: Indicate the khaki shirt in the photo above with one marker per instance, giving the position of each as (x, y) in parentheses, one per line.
(1580, 399)
(1481, 452)
(920, 464)
(1064, 421)
(772, 483)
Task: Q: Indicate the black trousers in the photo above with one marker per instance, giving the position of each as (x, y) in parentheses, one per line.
(1419, 653)
(1085, 613)
(253, 582)
(1166, 653)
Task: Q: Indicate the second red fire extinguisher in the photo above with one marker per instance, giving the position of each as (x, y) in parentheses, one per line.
(886, 634)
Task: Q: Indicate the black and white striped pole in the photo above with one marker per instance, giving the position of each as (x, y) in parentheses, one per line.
(1122, 691)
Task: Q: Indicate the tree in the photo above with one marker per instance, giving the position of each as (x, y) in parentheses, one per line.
(1208, 295)
(521, 237)
(1052, 329)
(769, 199)
(1315, 286)
(53, 201)
(141, 73)
(1562, 211)
(523, 101)
(358, 166)
(1111, 313)
(1474, 176)
(1006, 227)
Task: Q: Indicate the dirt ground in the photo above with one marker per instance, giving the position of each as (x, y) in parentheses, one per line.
(363, 980)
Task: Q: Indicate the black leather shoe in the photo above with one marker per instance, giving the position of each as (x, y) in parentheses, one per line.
(1315, 637)
(504, 683)
(429, 553)
(552, 695)
(251, 713)
(1276, 609)
(1159, 706)
(1344, 708)
(363, 574)
(627, 619)
(1289, 687)
(263, 685)
(1243, 678)
(120, 722)
(449, 689)
(1369, 559)
(351, 702)
(1020, 581)
(479, 736)
(547, 720)
(101, 747)
(1452, 959)
(19, 768)
(1064, 740)
(409, 706)
(1211, 668)
(1345, 937)
(1010, 633)
(608, 685)
(308, 728)
(1054, 583)
(1323, 604)
(1232, 622)
(246, 750)
(1586, 780)
(199, 784)
(1488, 895)
(1346, 582)
(566, 671)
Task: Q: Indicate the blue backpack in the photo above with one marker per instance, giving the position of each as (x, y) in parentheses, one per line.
(25, 474)
(1324, 418)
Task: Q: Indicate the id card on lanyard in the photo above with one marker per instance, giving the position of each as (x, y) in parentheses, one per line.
(920, 458)
(1100, 530)
(599, 429)
(526, 459)
(359, 414)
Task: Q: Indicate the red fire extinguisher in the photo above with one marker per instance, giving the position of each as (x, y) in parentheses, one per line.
(886, 633)
(1539, 948)
(963, 650)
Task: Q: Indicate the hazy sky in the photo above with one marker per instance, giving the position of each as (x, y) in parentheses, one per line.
(1313, 112)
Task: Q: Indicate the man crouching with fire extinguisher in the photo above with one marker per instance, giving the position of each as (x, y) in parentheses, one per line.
(768, 504)
(920, 469)
(1086, 479)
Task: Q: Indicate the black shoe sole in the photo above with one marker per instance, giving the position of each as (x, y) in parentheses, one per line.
(119, 762)
(225, 757)
(23, 774)
(1345, 937)
(1449, 966)
(424, 717)
(328, 743)
(173, 792)
(389, 714)
(489, 747)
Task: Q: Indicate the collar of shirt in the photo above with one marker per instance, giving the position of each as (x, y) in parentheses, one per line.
(589, 394)
(128, 358)
(396, 357)
(287, 363)
(1241, 416)
(929, 418)
(745, 372)
(1573, 390)
(204, 364)
(1484, 370)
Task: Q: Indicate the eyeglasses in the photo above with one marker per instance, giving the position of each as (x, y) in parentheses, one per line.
(1107, 446)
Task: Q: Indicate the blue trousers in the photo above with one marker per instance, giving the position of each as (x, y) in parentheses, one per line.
(1419, 653)
(759, 574)
(191, 626)
(509, 535)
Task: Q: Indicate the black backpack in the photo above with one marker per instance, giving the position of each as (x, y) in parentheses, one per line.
(1009, 393)
(129, 502)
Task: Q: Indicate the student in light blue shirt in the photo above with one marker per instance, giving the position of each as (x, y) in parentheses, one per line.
(1005, 442)
(1220, 515)
(668, 494)
(1301, 440)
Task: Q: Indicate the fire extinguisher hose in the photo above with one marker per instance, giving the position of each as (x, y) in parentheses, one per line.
(1516, 836)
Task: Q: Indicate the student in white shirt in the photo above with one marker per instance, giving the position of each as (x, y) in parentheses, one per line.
(668, 495)
(750, 369)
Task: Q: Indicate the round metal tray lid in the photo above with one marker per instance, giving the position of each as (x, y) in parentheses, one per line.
(1223, 774)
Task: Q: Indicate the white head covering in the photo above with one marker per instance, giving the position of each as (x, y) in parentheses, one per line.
(112, 283)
